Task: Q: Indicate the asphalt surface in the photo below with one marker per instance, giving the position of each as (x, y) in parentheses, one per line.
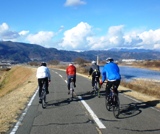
(87, 115)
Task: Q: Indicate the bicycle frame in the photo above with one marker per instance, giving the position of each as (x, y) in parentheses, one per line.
(112, 101)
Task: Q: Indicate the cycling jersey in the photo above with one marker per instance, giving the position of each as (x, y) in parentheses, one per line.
(43, 72)
(71, 73)
(93, 68)
(111, 72)
(71, 70)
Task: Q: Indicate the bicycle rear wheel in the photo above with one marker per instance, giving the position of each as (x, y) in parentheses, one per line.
(108, 105)
(44, 105)
(95, 89)
(116, 106)
(98, 90)
(72, 89)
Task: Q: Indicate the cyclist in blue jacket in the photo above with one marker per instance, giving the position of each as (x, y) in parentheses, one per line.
(111, 73)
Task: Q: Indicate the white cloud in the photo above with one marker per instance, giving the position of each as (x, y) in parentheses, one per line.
(74, 2)
(76, 38)
(115, 35)
(23, 33)
(81, 38)
(131, 39)
(6, 34)
(150, 39)
(43, 38)
(156, 46)
(4, 27)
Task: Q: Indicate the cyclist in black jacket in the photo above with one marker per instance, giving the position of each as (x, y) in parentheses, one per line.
(94, 72)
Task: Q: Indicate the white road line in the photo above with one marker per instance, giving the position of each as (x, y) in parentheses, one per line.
(94, 116)
(60, 75)
(23, 114)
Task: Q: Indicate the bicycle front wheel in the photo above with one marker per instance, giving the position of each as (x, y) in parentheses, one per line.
(116, 106)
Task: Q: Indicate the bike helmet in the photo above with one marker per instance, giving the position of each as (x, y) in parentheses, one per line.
(43, 64)
(109, 59)
(70, 64)
(93, 62)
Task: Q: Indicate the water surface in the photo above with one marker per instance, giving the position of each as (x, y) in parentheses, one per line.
(134, 73)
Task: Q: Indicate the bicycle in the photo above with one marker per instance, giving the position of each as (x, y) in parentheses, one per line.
(43, 96)
(112, 102)
(96, 88)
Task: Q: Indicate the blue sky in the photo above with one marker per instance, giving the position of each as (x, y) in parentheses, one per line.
(80, 25)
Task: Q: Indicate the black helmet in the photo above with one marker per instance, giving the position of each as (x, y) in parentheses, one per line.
(109, 59)
(43, 64)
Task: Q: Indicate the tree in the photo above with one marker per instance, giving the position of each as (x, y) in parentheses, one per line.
(80, 61)
(54, 62)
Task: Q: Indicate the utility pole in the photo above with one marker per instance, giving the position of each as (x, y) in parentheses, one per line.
(97, 59)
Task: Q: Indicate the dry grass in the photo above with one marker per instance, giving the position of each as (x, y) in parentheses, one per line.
(19, 85)
(152, 64)
(14, 78)
(150, 88)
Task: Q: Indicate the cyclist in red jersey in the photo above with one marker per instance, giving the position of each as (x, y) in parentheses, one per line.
(71, 73)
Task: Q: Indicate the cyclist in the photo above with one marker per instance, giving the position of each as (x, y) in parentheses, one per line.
(43, 75)
(111, 73)
(71, 73)
(95, 73)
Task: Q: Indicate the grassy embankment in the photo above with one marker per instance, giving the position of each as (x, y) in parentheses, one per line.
(16, 87)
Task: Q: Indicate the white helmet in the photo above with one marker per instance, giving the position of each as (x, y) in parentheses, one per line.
(109, 59)
(93, 62)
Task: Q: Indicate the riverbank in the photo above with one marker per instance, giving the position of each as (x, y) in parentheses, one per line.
(17, 86)
(150, 64)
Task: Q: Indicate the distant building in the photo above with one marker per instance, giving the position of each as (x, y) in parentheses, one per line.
(5, 66)
(128, 60)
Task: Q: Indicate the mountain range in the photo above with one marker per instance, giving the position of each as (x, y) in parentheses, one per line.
(25, 52)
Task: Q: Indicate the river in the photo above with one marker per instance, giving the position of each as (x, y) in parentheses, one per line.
(137, 73)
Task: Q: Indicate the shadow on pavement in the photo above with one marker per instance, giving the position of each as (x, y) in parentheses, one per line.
(128, 110)
(133, 109)
(124, 91)
(58, 103)
(66, 101)
(148, 104)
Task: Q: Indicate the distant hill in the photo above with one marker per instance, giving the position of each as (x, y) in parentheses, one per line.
(25, 52)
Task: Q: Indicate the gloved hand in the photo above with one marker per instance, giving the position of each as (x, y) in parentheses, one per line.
(49, 81)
